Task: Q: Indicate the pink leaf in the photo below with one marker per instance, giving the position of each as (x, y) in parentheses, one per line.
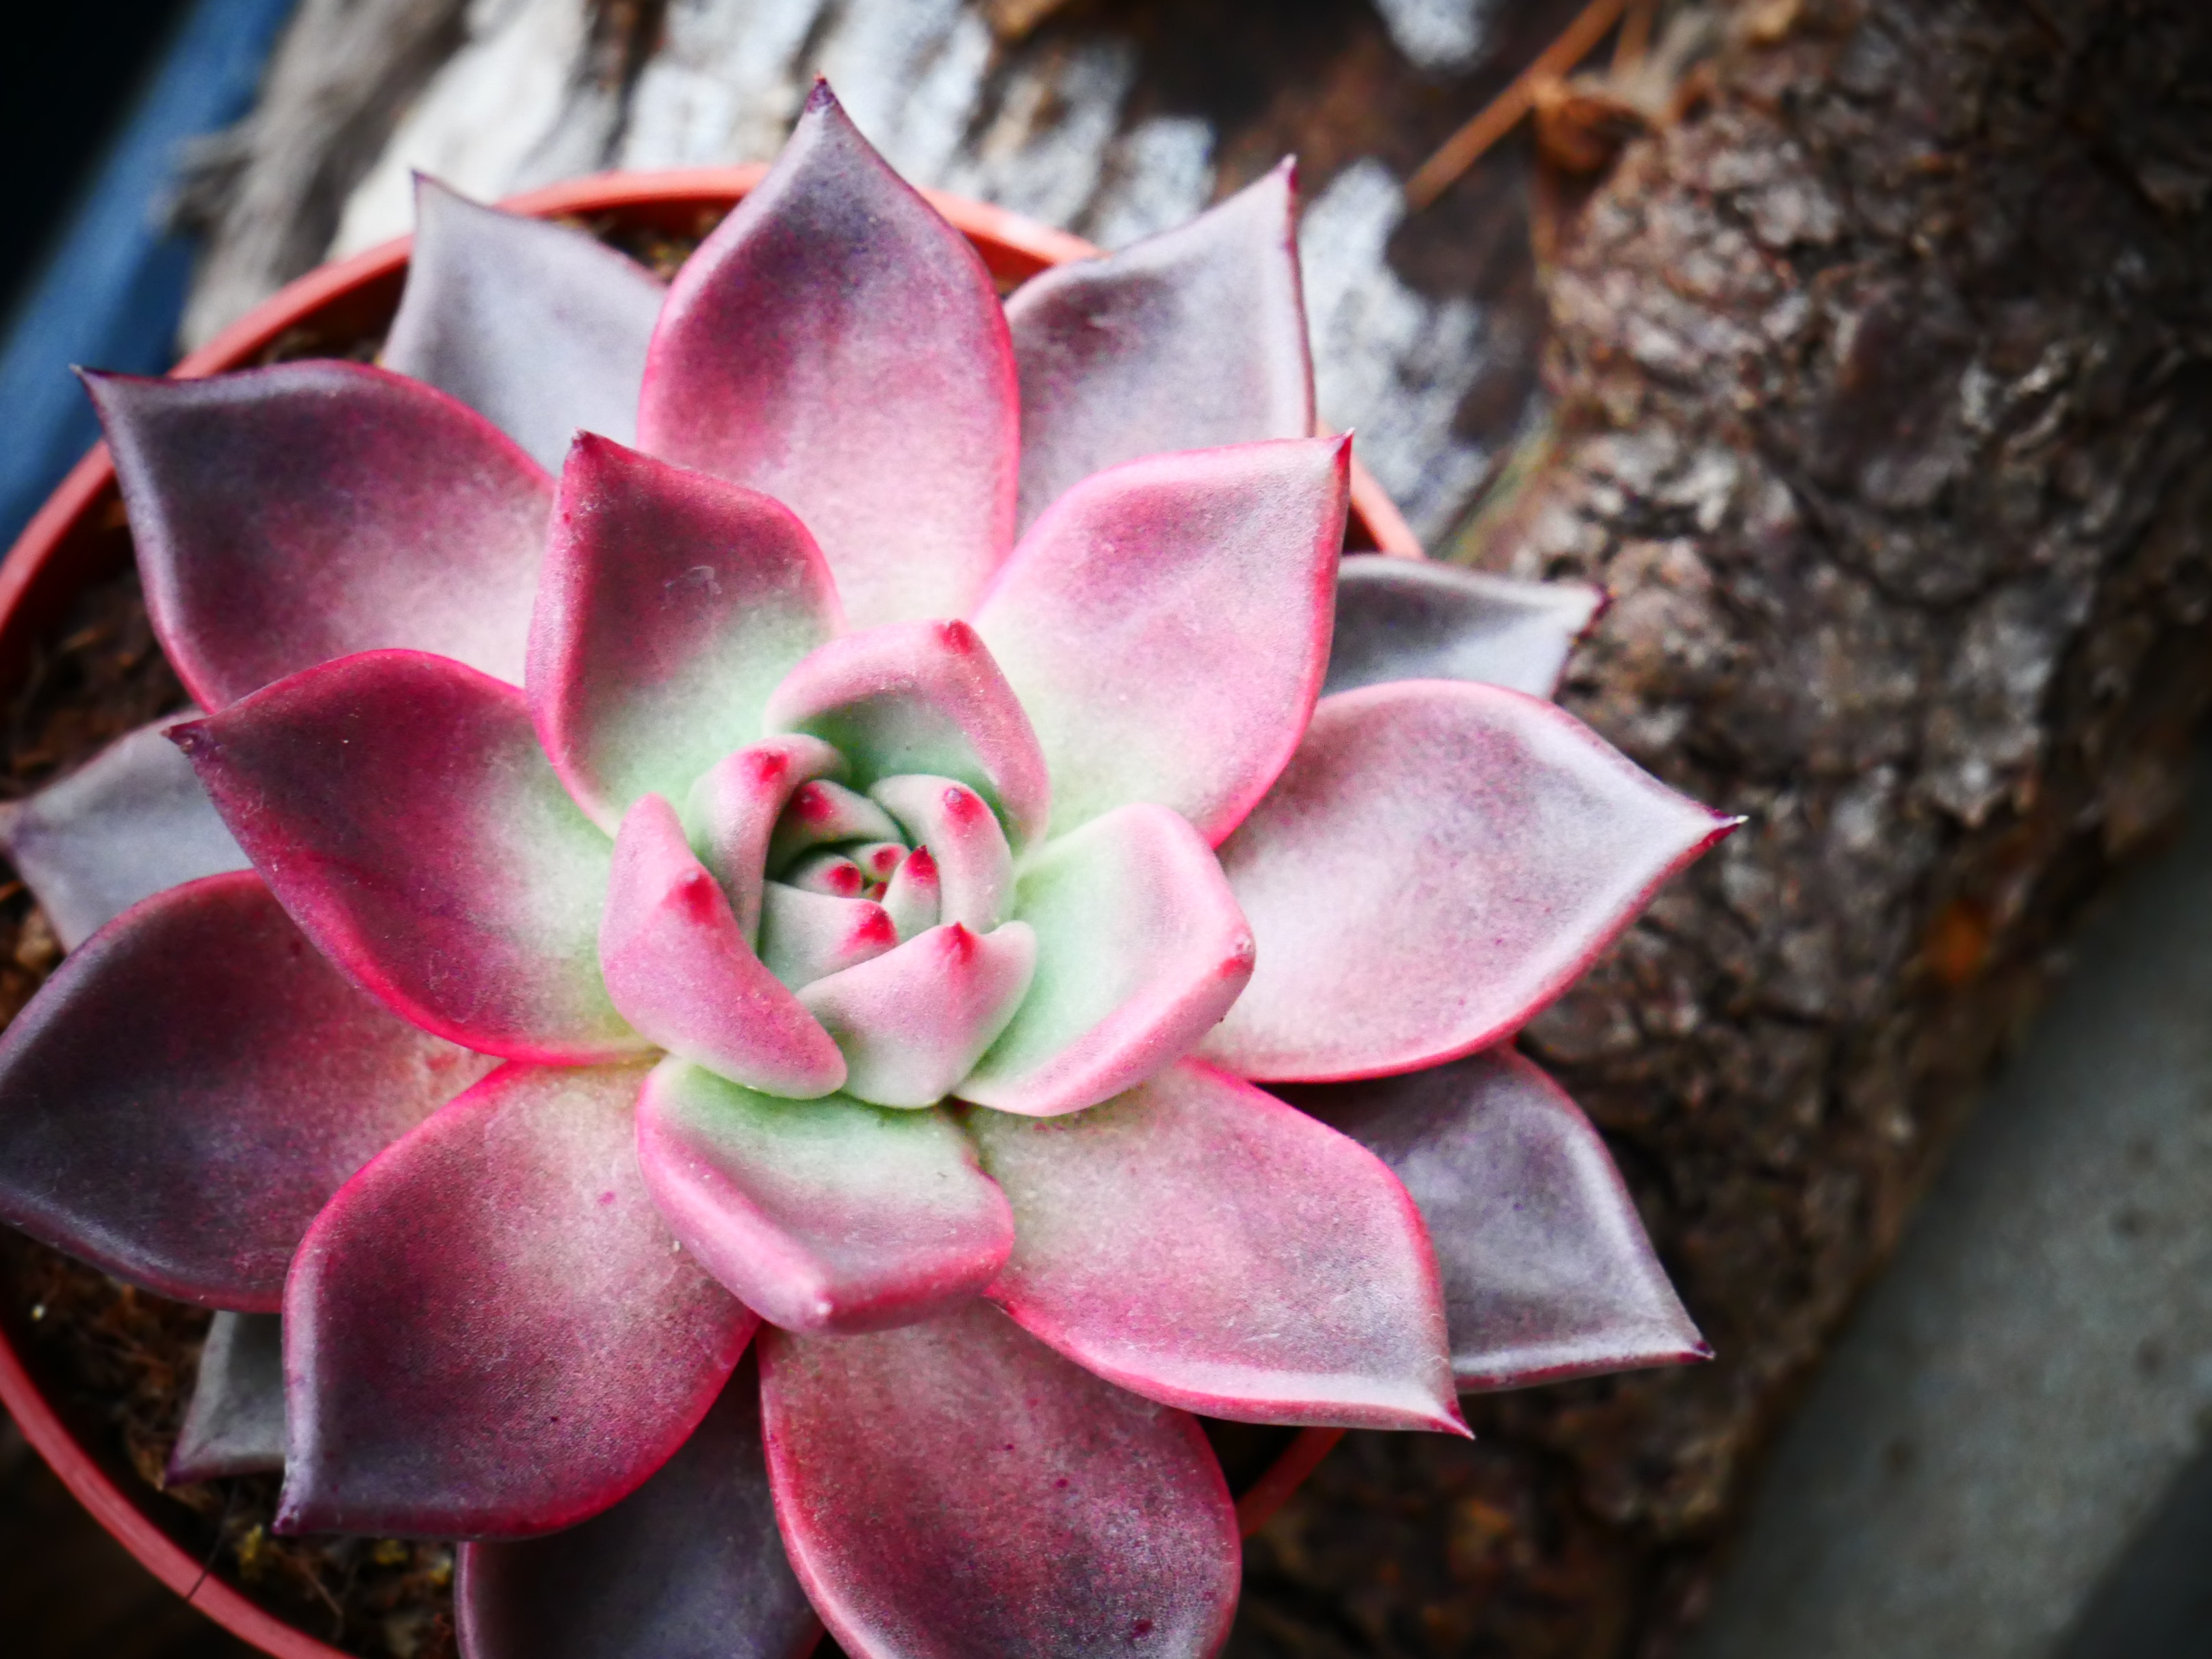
(541, 328)
(1191, 339)
(1140, 950)
(804, 936)
(679, 968)
(1201, 1244)
(688, 1566)
(234, 1424)
(914, 899)
(1166, 624)
(191, 1087)
(286, 516)
(913, 1022)
(1546, 1270)
(974, 867)
(822, 813)
(1418, 619)
(955, 1488)
(820, 1215)
(921, 697)
(1437, 862)
(128, 823)
(734, 808)
(401, 808)
(489, 1332)
(671, 606)
(837, 345)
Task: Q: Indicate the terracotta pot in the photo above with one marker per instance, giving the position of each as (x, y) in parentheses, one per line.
(80, 537)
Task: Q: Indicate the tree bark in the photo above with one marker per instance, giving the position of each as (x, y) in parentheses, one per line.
(1877, 394)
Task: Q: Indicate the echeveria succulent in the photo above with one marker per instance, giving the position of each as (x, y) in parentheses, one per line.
(838, 892)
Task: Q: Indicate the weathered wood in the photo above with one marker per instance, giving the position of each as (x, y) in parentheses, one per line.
(1879, 398)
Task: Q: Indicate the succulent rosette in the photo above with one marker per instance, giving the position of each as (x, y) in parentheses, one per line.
(851, 889)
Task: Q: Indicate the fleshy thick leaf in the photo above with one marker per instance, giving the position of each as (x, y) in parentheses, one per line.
(1165, 626)
(821, 814)
(191, 1087)
(806, 936)
(399, 806)
(131, 822)
(1201, 1243)
(1190, 340)
(1416, 619)
(1437, 862)
(671, 605)
(290, 515)
(913, 1022)
(732, 810)
(838, 345)
(688, 1566)
(679, 968)
(489, 1333)
(234, 1424)
(821, 1215)
(540, 328)
(921, 697)
(955, 1488)
(973, 864)
(1140, 950)
(914, 897)
(1548, 1273)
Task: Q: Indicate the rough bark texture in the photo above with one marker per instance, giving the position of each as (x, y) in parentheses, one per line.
(1878, 397)
(1883, 408)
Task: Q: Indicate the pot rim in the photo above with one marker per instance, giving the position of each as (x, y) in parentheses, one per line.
(1012, 247)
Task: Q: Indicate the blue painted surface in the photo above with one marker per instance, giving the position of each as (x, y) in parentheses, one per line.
(112, 288)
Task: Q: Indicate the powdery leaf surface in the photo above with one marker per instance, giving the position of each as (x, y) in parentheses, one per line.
(1202, 1243)
(285, 516)
(1417, 619)
(1166, 625)
(400, 807)
(1191, 339)
(1438, 860)
(838, 345)
(191, 1087)
(820, 1214)
(1547, 1272)
(234, 1424)
(955, 1488)
(490, 1332)
(688, 1566)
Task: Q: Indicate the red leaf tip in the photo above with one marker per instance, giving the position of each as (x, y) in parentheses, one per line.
(958, 638)
(191, 736)
(819, 97)
(959, 944)
(875, 927)
(923, 865)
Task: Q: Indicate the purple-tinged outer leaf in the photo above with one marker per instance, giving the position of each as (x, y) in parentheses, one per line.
(191, 1087)
(913, 1021)
(1417, 619)
(1548, 1273)
(838, 345)
(491, 1332)
(286, 516)
(540, 328)
(820, 1215)
(974, 866)
(680, 971)
(732, 813)
(234, 1424)
(922, 697)
(688, 1566)
(1166, 625)
(671, 605)
(955, 1488)
(1438, 861)
(1140, 950)
(1190, 340)
(1201, 1243)
(128, 823)
(400, 807)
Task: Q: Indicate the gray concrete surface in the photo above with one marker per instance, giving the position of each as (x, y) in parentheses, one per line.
(2001, 1459)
